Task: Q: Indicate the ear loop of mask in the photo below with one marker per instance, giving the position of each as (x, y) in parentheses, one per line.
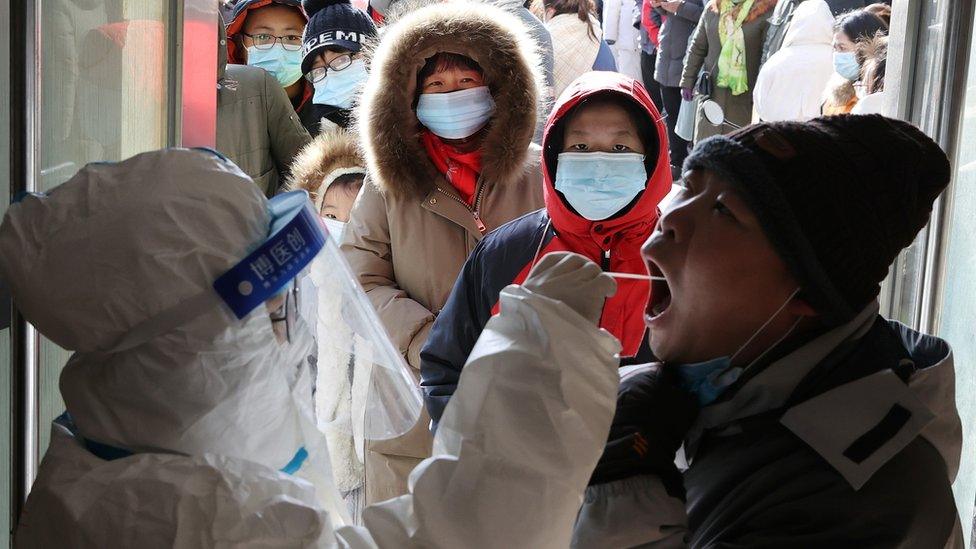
(763, 327)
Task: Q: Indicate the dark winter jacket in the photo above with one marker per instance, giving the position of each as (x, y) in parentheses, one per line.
(506, 255)
(673, 42)
(852, 440)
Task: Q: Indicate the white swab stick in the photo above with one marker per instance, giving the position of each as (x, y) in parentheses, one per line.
(637, 276)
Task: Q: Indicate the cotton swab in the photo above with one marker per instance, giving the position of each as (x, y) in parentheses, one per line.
(637, 276)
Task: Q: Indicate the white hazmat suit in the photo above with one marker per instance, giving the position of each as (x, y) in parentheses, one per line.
(205, 411)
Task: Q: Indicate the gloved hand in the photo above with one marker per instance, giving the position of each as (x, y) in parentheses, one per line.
(574, 280)
(652, 417)
(687, 94)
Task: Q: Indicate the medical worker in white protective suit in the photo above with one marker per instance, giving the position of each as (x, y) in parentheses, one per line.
(187, 422)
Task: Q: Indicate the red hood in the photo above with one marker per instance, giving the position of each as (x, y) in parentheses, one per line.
(236, 25)
(634, 226)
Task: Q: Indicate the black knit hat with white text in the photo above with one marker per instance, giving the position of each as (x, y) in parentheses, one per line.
(336, 24)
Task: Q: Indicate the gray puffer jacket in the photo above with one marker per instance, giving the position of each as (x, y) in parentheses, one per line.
(257, 128)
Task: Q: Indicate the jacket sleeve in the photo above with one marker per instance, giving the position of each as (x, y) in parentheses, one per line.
(515, 450)
(690, 10)
(285, 130)
(632, 512)
(453, 335)
(611, 20)
(366, 246)
(697, 51)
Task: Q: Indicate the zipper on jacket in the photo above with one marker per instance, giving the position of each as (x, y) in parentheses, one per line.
(474, 211)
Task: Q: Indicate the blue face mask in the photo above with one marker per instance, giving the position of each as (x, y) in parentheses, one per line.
(708, 380)
(458, 114)
(339, 88)
(846, 65)
(284, 65)
(598, 185)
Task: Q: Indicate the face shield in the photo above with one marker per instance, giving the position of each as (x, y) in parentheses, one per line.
(385, 401)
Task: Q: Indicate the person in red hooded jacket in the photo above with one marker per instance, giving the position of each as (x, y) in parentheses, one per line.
(605, 167)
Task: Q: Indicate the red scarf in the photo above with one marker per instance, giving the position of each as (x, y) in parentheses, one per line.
(460, 169)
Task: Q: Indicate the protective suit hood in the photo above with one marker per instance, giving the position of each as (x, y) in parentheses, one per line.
(812, 23)
(87, 280)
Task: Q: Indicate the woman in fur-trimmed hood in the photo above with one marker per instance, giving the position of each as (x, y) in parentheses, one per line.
(446, 122)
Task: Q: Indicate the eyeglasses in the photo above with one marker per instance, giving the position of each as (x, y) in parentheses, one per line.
(288, 310)
(337, 64)
(291, 42)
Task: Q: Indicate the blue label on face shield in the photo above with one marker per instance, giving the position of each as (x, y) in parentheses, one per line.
(296, 238)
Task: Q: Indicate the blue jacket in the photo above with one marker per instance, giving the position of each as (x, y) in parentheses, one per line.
(495, 262)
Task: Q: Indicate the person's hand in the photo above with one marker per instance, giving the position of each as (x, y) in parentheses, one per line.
(687, 94)
(671, 7)
(652, 417)
(574, 280)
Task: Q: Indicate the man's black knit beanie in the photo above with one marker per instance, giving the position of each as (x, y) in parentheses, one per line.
(333, 23)
(839, 197)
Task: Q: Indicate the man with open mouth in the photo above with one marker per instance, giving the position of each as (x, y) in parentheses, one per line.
(803, 418)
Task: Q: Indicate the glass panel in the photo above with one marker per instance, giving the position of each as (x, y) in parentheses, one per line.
(908, 271)
(958, 325)
(5, 371)
(104, 87)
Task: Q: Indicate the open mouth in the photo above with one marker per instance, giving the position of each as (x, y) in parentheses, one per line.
(660, 293)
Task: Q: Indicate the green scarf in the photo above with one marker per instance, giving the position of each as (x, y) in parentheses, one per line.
(732, 71)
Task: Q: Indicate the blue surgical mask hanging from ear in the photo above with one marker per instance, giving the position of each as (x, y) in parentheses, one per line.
(846, 65)
(597, 184)
(708, 380)
(284, 65)
(339, 88)
(458, 114)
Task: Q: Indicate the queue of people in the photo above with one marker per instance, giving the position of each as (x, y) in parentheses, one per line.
(598, 367)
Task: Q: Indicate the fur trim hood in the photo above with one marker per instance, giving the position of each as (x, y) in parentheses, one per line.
(499, 42)
(331, 154)
(759, 8)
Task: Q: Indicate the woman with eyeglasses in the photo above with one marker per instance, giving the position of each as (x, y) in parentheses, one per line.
(268, 34)
(257, 127)
(332, 61)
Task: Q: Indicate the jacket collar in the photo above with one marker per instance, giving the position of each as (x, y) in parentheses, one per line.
(857, 426)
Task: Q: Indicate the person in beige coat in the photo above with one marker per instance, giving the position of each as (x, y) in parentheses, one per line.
(411, 227)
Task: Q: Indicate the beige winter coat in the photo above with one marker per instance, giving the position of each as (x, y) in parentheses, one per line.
(409, 232)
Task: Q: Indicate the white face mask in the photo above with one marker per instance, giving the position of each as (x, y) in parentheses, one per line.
(458, 114)
(335, 228)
